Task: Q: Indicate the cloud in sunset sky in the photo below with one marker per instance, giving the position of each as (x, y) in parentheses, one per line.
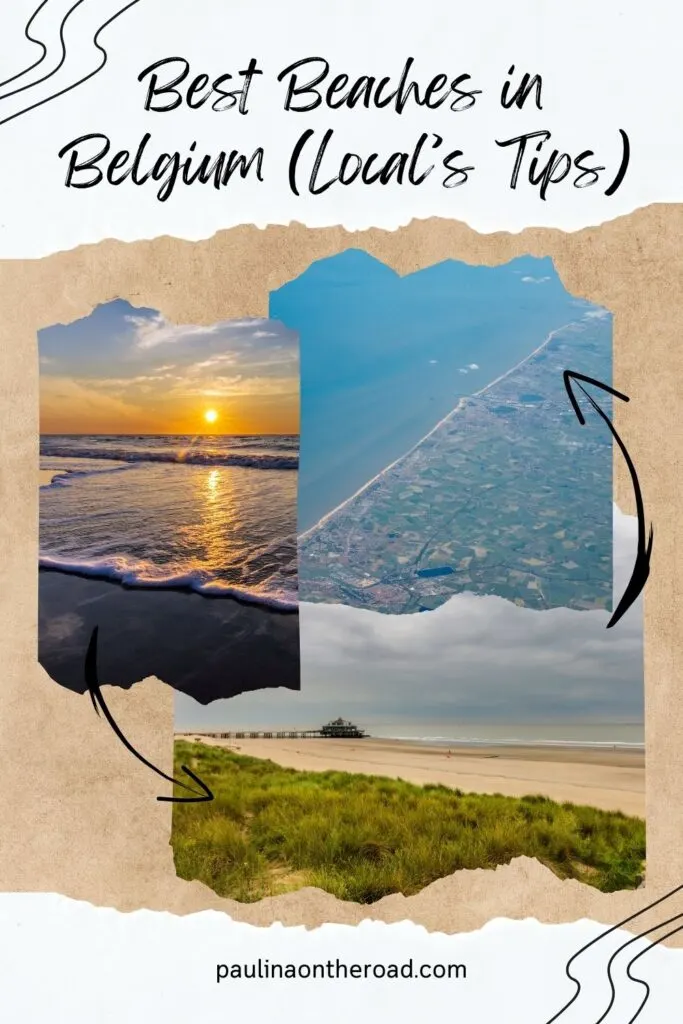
(127, 370)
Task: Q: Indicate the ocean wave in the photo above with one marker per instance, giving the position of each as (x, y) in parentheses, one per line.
(255, 460)
(276, 596)
(462, 741)
(61, 477)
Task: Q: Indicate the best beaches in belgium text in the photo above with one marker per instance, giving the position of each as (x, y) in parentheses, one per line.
(318, 160)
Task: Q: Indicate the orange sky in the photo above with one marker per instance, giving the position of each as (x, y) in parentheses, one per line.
(126, 371)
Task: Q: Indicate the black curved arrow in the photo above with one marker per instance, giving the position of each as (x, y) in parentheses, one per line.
(92, 683)
(641, 568)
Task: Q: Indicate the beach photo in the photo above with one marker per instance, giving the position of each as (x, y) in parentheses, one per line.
(462, 702)
(168, 502)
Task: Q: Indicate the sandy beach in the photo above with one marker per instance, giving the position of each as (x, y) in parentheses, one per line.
(610, 779)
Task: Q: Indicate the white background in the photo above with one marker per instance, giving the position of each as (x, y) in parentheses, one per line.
(67, 961)
(605, 66)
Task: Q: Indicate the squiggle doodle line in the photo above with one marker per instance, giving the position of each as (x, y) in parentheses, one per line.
(597, 939)
(31, 39)
(80, 81)
(38, 81)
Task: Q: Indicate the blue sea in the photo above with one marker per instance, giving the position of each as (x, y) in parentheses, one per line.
(281, 710)
(216, 514)
(384, 357)
(444, 731)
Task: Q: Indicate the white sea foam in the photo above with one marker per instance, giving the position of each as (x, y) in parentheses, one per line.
(477, 741)
(145, 576)
(174, 512)
(254, 460)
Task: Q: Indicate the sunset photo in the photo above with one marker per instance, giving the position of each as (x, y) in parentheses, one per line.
(168, 501)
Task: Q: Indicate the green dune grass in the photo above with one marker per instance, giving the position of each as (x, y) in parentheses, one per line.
(271, 830)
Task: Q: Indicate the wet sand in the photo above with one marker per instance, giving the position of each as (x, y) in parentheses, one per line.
(206, 647)
(610, 779)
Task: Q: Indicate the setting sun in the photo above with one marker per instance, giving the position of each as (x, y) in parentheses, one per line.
(210, 415)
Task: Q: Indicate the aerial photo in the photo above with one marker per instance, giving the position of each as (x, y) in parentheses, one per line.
(462, 702)
(168, 499)
(503, 495)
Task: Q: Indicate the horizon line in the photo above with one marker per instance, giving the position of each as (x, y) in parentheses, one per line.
(163, 433)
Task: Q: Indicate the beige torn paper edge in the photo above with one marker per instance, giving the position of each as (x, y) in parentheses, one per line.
(79, 814)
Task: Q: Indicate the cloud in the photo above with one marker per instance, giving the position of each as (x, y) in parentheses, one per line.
(462, 370)
(224, 386)
(481, 658)
(220, 359)
(472, 366)
(117, 383)
(249, 322)
(63, 396)
(247, 361)
(596, 314)
(227, 359)
(230, 387)
(535, 280)
(152, 331)
(124, 369)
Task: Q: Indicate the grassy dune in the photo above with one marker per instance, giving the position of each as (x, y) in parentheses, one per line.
(271, 830)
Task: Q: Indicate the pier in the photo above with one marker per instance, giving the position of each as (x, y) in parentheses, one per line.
(337, 729)
(247, 734)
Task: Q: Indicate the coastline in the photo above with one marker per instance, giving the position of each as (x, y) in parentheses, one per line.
(606, 778)
(273, 606)
(449, 415)
(186, 581)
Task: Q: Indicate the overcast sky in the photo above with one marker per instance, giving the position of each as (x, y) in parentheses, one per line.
(481, 658)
